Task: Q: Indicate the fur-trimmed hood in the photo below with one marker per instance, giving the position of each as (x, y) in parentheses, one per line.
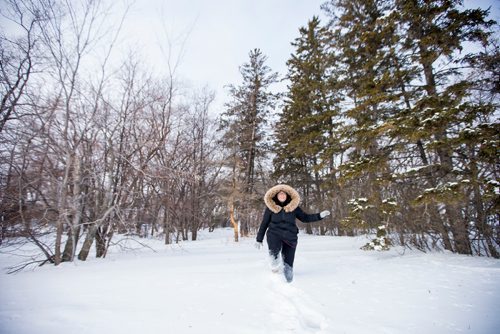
(292, 193)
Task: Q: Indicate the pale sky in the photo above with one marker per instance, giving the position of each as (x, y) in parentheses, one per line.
(218, 35)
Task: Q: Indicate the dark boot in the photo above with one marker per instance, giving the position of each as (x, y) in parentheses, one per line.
(288, 269)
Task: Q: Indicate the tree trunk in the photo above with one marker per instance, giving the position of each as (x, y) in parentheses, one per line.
(459, 228)
(166, 227)
(87, 244)
(481, 224)
(71, 243)
(100, 239)
(233, 221)
(62, 210)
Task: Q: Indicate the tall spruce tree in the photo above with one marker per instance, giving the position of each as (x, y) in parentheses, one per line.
(244, 123)
(419, 125)
(362, 41)
(297, 129)
(435, 33)
(307, 112)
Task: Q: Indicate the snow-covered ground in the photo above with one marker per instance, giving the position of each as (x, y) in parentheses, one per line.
(217, 286)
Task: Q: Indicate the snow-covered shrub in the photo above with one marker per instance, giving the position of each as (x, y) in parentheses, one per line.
(381, 242)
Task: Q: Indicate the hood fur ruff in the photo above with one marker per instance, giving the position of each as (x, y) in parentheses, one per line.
(294, 195)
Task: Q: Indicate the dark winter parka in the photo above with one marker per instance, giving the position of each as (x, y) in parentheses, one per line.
(279, 218)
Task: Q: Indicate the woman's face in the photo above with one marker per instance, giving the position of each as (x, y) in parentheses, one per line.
(282, 196)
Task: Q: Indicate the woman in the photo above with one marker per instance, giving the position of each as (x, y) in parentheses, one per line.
(282, 209)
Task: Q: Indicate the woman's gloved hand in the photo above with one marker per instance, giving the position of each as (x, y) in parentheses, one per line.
(258, 244)
(323, 214)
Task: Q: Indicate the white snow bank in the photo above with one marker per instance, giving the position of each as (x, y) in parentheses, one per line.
(217, 286)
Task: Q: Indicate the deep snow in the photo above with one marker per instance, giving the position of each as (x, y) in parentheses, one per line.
(217, 286)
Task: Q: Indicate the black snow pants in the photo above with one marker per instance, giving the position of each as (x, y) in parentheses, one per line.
(277, 244)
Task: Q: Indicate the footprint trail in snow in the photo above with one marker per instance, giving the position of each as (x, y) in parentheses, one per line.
(293, 309)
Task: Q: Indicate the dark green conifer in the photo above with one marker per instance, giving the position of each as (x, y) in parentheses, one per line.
(244, 124)
(435, 33)
(307, 112)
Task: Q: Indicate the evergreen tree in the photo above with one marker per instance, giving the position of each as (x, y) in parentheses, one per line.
(419, 126)
(362, 41)
(244, 122)
(308, 110)
(306, 99)
(435, 33)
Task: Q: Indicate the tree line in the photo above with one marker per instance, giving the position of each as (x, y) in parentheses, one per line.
(390, 119)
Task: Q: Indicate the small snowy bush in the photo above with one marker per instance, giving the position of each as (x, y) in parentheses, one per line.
(381, 242)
